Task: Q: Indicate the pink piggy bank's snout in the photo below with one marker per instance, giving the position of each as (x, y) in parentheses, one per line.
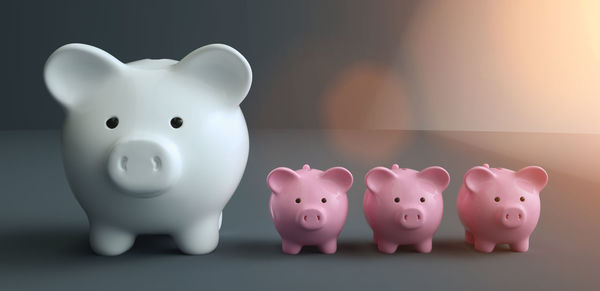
(512, 217)
(410, 218)
(311, 219)
(144, 167)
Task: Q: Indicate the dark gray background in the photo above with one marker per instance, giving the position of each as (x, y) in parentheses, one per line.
(43, 232)
(294, 47)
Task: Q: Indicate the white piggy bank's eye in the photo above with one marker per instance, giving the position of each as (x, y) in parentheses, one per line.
(176, 122)
(112, 122)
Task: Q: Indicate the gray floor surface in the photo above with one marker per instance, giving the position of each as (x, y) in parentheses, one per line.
(43, 231)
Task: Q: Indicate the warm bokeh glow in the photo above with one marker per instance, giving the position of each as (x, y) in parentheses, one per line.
(366, 96)
(591, 13)
(455, 66)
(507, 66)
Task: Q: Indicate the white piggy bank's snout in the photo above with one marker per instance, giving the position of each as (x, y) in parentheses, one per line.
(144, 167)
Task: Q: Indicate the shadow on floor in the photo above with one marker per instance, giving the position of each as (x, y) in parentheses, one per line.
(271, 248)
(33, 247)
(42, 248)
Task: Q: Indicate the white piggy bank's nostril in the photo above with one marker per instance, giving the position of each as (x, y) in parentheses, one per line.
(156, 163)
(144, 167)
(124, 163)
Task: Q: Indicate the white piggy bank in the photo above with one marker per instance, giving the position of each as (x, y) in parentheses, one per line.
(152, 146)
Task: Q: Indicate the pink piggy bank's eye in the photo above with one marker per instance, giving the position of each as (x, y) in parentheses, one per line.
(298, 200)
(397, 199)
(522, 198)
(324, 200)
(422, 199)
(497, 199)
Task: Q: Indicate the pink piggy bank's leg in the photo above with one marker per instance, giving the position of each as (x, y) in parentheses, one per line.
(424, 246)
(521, 246)
(329, 247)
(386, 246)
(483, 245)
(290, 247)
(469, 237)
(375, 237)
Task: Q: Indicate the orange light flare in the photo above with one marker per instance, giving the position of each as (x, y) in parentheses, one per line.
(371, 98)
(512, 66)
(591, 13)
(524, 66)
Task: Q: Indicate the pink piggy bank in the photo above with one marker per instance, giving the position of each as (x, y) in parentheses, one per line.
(309, 206)
(404, 206)
(499, 206)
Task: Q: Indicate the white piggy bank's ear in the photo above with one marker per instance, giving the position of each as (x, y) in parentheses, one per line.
(281, 178)
(340, 177)
(436, 176)
(376, 178)
(533, 176)
(478, 178)
(220, 67)
(74, 70)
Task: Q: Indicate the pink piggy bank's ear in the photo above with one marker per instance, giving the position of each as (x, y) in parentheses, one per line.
(436, 176)
(376, 178)
(339, 176)
(281, 178)
(533, 176)
(478, 178)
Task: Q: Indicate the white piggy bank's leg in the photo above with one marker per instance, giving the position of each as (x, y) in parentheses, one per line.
(107, 240)
(199, 238)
